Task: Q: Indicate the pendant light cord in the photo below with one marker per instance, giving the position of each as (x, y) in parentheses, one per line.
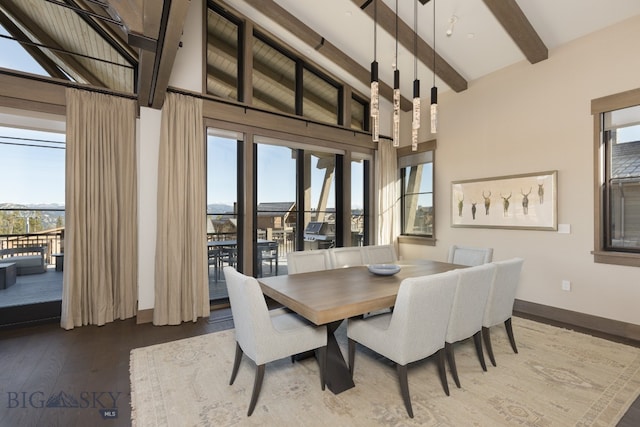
(415, 40)
(375, 30)
(434, 42)
(396, 34)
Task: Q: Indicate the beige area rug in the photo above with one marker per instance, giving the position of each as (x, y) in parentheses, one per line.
(559, 378)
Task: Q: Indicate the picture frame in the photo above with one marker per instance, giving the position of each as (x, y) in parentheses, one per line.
(525, 201)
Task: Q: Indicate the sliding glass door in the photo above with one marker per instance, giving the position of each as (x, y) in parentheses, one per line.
(276, 208)
(224, 214)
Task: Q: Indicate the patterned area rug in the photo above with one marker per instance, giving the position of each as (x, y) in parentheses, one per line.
(559, 378)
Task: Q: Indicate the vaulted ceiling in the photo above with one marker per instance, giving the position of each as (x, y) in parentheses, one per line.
(130, 45)
(472, 37)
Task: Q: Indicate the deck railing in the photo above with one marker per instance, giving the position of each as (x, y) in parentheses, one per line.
(51, 240)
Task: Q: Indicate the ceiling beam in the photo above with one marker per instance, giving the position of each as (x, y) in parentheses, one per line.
(516, 24)
(298, 28)
(161, 27)
(167, 46)
(387, 21)
(134, 15)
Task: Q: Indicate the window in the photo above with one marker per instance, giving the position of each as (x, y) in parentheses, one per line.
(320, 98)
(224, 215)
(274, 78)
(617, 229)
(359, 112)
(222, 54)
(359, 200)
(281, 80)
(55, 41)
(296, 190)
(416, 175)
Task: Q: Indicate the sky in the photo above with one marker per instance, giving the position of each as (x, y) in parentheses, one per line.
(276, 175)
(36, 174)
(31, 175)
(15, 57)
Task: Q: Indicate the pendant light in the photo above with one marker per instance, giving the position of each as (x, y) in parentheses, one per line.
(375, 91)
(396, 92)
(415, 123)
(434, 89)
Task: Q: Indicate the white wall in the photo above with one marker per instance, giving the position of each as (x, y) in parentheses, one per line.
(531, 118)
(148, 136)
(188, 66)
(186, 74)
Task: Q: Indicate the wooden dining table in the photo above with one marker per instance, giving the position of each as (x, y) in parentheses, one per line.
(328, 297)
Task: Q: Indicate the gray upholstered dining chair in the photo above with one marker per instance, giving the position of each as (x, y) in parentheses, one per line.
(468, 311)
(346, 257)
(415, 329)
(307, 261)
(265, 336)
(467, 255)
(380, 254)
(499, 307)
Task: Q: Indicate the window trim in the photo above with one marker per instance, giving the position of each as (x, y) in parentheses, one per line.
(598, 107)
(423, 147)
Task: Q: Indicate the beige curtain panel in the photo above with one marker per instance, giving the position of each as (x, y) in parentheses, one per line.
(101, 256)
(182, 287)
(388, 193)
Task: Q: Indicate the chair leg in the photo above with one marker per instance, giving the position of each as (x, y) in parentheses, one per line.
(404, 388)
(507, 325)
(442, 371)
(322, 363)
(451, 357)
(236, 363)
(477, 340)
(352, 355)
(486, 335)
(257, 385)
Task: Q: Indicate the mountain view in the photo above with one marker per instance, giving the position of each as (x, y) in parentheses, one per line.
(40, 217)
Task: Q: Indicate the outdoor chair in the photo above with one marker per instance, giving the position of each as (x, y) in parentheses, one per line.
(499, 307)
(265, 336)
(414, 330)
(215, 255)
(267, 252)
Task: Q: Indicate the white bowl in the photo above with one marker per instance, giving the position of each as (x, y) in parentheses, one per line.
(384, 269)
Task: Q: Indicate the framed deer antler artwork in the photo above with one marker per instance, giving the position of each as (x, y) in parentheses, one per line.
(527, 201)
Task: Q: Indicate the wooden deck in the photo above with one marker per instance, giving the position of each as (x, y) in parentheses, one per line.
(47, 287)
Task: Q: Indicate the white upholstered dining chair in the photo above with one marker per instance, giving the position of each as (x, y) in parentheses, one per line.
(499, 307)
(346, 257)
(307, 261)
(415, 329)
(380, 254)
(467, 312)
(265, 336)
(470, 256)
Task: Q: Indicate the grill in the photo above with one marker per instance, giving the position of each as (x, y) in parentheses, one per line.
(319, 235)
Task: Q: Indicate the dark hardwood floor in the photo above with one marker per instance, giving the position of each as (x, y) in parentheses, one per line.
(89, 365)
(44, 364)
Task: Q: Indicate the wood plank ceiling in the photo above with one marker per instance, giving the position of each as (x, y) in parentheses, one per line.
(138, 35)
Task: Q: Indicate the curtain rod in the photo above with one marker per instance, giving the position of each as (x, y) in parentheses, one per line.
(276, 113)
(64, 83)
